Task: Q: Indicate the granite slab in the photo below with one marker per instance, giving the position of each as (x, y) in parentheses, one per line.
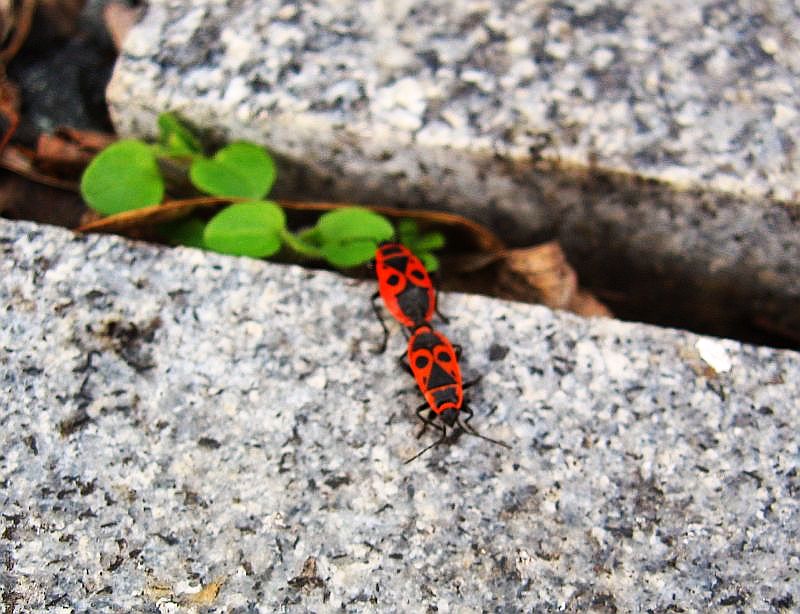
(657, 141)
(185, 431)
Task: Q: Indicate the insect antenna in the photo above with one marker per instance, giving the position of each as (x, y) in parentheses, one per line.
(421, 452)
(462, 428)
(425, 449)
(465, 428)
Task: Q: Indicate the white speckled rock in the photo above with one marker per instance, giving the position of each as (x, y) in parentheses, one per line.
(468, 105)
(188, 429)
(708, 96)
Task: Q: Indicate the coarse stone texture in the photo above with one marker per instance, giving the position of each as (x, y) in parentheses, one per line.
(187, 429)
(658, 141)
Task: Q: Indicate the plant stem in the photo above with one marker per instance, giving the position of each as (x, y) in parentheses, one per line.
(297, 245)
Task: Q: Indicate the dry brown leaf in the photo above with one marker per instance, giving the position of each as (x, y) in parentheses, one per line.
(585, 304)
(60, 157)
(7, 18)
(16, 24)
(20, 161)
(88, 140)
(129, 221)
(542, 274)
(543, 268)
(66, 153)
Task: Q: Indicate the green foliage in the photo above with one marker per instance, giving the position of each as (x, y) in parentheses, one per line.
(188, 232)
(122, 177)
(353, 224)
(246, 229)
(240, 169)
(349, 254)
(126, 176)
(349, 236)
(422, 245)
(175, 138)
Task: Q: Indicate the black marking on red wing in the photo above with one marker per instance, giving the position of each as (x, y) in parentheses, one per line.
(445, 395)
(397, 262)
(439, 377)
(425, 341)
(414, 302)
(391, 249)
(393, 279)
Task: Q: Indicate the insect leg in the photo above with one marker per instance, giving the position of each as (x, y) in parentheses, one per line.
(382, 348)
(467, 411)
(442, 317)
(427, 422)
(470, 430)
(404, 364)
(472, 382)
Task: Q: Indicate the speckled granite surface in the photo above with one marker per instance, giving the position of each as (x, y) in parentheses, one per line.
(703, 92)
(539, 118)
(185, 430)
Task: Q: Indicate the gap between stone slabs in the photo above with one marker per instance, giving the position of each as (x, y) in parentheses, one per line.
(661, 150)
(184, 428)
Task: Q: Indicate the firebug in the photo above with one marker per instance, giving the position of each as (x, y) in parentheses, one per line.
(405, 287)
(434, 363)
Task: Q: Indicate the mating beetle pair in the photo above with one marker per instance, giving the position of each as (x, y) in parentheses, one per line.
(407, 292)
